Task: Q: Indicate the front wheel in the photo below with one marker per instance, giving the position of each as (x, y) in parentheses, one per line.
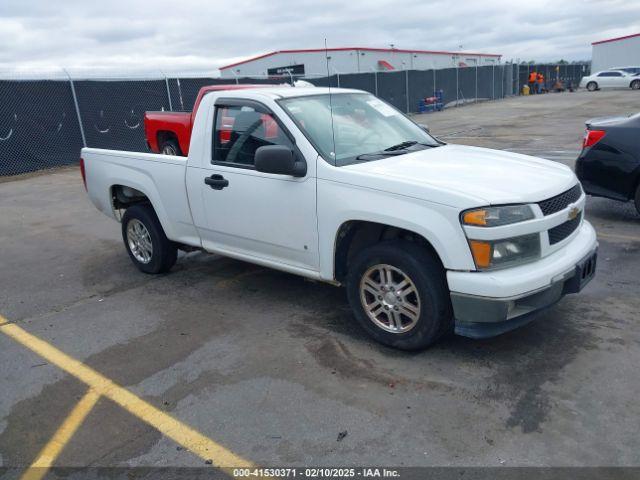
(592, 86)
(147, 245)
(399, 295)
(635, 85)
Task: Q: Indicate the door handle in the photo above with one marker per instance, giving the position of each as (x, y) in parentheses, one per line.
(217, 182)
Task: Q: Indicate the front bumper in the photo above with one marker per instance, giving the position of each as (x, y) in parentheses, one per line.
(526, 290)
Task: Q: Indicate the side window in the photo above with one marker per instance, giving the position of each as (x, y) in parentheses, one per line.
(240, 130)
(616, 74)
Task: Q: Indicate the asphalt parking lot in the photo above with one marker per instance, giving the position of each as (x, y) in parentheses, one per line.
(223, 359)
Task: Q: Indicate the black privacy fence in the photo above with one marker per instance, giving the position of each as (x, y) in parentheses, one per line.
(38, 126)
(45, 123)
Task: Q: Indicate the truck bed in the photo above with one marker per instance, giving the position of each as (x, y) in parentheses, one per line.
(161, 177)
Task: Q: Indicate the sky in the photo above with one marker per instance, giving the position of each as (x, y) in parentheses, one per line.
(142, 37)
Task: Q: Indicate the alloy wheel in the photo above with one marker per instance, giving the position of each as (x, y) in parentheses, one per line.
(139, 241)
(169, 150)
(390, 298)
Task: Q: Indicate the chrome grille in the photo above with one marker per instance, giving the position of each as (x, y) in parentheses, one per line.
(560, 202)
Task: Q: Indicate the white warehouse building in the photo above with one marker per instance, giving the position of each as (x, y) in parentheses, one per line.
(616, 52)
(352, 60)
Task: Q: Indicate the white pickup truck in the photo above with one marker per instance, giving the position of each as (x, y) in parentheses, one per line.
(338, 186)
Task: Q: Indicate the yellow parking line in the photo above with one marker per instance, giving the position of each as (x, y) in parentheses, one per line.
(615, 236)
(52, 449)
(179, 432)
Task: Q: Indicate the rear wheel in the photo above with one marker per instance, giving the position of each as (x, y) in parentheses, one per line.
(146, 243)
(170, 147)
(592, 86)
(399, 295)
(635, 85)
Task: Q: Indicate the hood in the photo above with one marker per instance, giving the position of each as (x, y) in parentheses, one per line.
(485, 175)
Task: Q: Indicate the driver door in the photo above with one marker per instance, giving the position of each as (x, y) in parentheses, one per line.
(241, 212)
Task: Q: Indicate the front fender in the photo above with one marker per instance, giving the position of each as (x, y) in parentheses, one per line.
(438, 224)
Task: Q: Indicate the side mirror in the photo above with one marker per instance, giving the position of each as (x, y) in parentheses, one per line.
(280, 160)
(424, 126)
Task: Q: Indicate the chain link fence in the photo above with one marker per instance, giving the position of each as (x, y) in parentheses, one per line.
(38, 126)
(45, 123)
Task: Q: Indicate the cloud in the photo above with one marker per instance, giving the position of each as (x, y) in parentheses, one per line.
(128, 36)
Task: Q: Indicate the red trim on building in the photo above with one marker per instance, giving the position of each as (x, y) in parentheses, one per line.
(616, 39)
(385, 65)
(363, 49)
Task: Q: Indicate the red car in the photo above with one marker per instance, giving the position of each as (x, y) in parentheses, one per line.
(170, 132)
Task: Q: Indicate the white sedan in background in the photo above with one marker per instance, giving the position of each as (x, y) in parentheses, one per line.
(609, 79)
(629, 70)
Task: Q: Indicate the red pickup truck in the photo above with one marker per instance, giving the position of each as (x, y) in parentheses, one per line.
(170, 132)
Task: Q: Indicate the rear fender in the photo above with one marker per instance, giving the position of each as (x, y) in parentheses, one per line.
(105, 169)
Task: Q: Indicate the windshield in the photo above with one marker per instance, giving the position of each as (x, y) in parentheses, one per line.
(363, 127)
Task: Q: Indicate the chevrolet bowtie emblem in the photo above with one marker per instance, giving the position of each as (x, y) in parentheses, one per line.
(573, 213)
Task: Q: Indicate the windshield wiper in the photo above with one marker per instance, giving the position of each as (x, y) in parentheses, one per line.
(382, 154)
(408, 144)
(399, 149)
(401, 146)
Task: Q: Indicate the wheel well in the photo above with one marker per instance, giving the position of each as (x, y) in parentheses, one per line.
(356, 235)
(164, 135)
(123, 197)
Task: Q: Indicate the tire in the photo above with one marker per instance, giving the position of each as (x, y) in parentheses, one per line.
(636, 200)
(170, 147)
(155, 255)
(635, 85)
(592, 86)
(427, 289)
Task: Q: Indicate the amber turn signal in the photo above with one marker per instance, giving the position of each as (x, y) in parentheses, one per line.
(475, 217)
(481, 253)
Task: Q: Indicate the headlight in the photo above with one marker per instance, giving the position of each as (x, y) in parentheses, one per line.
(505, 252)
(497, 216)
